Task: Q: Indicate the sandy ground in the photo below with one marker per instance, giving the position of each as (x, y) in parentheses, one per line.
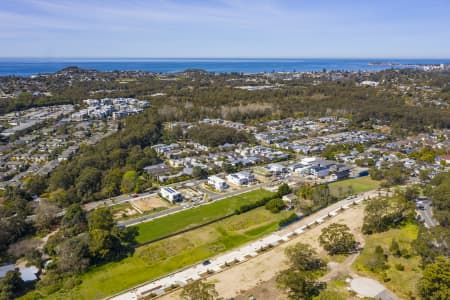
(256, 276)
(149, 203)
(127, 212)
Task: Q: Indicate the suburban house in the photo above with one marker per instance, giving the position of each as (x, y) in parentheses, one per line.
(277, 168)
(157, 170)
(170, 194)
(443, 158)
(322, 168)
(241, 178)
(217, 183)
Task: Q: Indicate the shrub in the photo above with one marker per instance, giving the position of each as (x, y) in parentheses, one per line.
(286, 221)
(259, 203)
(275, 205)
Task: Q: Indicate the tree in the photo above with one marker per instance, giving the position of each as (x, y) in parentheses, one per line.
(431, 243)
(376, 261)
(12, 228)
(394, 249)
(60, 179)
(129, 181)
(275, 205)
(46, 215)
(126, 235)
(101, 218)
(395, 175)
(382, 213)
(337, 239)
(305, 192)
(411, 193)
(199, 290)
(107, 241)
(299, 285)
(88, 183)
(199, 173)
(111, 182)
(283, 189)
(101, 244)
(435, 281)
(299, 280)
(73, 255)
(304, 258)
(11, 285)
(35, 185)
(424, 175)
(440, 196)
(74, 221)
(321, 195)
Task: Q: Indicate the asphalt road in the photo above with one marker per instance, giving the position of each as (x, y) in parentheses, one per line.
(213, 197)
(426, 214)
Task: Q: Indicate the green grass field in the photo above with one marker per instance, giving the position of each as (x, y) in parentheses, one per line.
(196, 216)
(358, 185)
(402, 283)
(162, 257)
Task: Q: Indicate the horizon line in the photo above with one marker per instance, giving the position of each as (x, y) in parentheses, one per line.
(209, 58)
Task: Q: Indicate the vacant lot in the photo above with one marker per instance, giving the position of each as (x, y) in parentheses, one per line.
(256, 275)
(196, 216)
(403, 283)
(353, 186)
(151, 261)
(150, 203)
(123, 211)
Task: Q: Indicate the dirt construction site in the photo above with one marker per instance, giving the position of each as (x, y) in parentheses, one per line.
(149, 203)
(256, 277)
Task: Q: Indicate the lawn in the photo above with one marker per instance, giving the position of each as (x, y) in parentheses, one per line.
(196, 216)
(162, 257)
(402, 283)
(336, 290)
(354, 186)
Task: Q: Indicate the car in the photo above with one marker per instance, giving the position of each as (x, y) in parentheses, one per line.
(206, 262)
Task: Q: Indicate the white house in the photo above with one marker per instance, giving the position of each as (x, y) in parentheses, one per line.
(170, 194)
(241, 178)
(217, 182)
(277, 168)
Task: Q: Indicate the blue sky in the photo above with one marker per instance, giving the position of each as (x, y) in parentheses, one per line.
(225, 28)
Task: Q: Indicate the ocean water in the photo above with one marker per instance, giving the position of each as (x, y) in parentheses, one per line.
(33, 66)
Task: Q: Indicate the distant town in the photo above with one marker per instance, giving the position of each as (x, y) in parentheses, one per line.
(212, 170)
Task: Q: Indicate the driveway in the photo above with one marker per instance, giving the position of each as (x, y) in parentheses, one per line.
(367, 287)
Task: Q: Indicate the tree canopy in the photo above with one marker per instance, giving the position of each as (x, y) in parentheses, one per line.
(435, 281)
(299, 280)
(337, 239)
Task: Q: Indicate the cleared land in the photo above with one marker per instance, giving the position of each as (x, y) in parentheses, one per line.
(196, 216)
(255, 276)
(354, 185)
(123, 211)
(160, 258)
(150, 203)
(402, 283)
